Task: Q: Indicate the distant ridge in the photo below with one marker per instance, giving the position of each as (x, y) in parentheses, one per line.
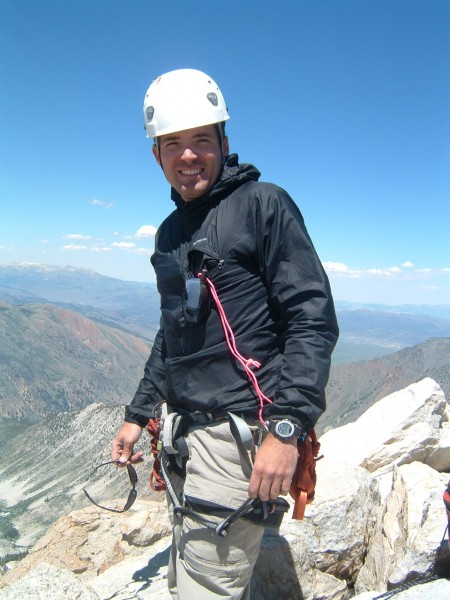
(354, 387)
(54, 360)
(127, 305)
(367, 330)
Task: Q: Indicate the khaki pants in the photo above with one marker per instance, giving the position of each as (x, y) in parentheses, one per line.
(204, 565)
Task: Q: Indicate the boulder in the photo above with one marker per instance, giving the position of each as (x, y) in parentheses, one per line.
(90, 541)
(143, 576)
(407, 537)
(425, 525)
(430, 590)
(47, 582)
(401, 428)
(439, 458)
(387, 543)
(326, 550)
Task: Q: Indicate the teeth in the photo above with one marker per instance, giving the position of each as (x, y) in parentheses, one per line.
(191, 171)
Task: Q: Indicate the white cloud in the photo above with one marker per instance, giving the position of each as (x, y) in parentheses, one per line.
(406, 271)
(145, 231)
(336, 267)
(342, 270)
(131, 248)
(143, 251)
(75, 248)
(123, 245)
(425, 271)
(102, 203)
(103, 249)
(77, 236)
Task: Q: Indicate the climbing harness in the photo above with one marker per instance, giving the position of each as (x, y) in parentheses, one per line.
(169, 446)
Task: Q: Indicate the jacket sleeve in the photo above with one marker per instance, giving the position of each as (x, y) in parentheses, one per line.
(299, 290)
(151, 389)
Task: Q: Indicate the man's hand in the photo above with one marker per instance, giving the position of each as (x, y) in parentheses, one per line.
(274, 468)
(123, 444)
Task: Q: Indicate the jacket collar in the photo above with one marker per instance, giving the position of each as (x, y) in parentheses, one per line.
(233, 175)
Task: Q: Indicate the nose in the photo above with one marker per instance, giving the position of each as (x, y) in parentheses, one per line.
(188, 154)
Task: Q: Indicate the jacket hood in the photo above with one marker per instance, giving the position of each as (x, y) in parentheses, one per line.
(233, 175)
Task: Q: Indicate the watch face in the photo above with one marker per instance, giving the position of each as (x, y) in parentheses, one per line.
(284, 429)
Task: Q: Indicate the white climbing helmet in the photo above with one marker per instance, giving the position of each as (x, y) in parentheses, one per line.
(182, 99)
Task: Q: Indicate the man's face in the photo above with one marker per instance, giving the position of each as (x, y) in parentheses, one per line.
(191, 159)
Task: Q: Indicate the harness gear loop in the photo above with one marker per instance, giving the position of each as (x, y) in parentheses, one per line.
(169, 432)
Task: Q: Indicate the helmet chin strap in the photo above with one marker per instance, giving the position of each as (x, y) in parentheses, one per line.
(156, 144)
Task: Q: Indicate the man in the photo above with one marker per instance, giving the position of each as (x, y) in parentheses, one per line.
(257, 353)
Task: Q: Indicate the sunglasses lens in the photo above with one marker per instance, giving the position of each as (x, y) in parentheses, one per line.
(132, 474)
(131, 499)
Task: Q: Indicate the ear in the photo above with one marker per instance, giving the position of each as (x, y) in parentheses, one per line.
(225, 146)
(156, 154)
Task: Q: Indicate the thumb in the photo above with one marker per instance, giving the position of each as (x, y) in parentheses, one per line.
(126, 454)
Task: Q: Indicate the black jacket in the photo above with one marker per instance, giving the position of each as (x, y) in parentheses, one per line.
(251, 238)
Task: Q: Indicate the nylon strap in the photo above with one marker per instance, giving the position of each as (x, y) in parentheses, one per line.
(241, 432)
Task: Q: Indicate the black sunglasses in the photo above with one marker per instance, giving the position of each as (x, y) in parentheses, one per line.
(132, 495)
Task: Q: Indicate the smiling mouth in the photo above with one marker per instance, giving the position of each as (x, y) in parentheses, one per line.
(190, 171)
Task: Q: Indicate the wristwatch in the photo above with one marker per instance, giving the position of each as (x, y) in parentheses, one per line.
(284, 429)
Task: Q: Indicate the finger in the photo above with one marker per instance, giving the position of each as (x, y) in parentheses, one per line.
(265, 490)
(137, 458)
(125, 455)
(253, 486)
(116, 450)
(275, 489)
(286, 486)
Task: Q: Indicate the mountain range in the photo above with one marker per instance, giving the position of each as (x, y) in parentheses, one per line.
(70, 337)
(53, 360)
(367, 330)
(126, 305)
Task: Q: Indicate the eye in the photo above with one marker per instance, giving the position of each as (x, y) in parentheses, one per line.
(204, 141)
(170, 144)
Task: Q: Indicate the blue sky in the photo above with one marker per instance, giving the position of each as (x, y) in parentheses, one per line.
(345, 104)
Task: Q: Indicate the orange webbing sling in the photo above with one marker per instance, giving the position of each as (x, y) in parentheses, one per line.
(157, 482)
(304, 479)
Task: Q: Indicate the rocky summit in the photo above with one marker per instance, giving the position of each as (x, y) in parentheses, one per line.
(375, 526)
